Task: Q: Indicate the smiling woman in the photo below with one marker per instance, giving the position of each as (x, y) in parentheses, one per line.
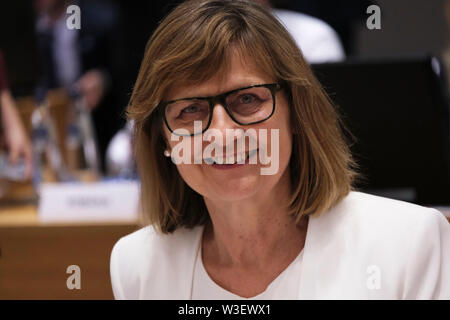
(220, 229)
(208, 48)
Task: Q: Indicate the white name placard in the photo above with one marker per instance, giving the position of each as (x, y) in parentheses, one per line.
(110, 201)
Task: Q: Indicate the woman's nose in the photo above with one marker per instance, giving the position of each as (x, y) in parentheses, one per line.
(230, 131)
(221, 120)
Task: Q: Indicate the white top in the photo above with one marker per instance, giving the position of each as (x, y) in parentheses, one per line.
(366, 247)
(284, 286)
(316, 39)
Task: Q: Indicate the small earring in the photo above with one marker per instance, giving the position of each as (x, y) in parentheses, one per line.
(167, 153)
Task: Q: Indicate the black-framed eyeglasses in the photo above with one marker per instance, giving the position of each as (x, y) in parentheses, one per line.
(246, 106)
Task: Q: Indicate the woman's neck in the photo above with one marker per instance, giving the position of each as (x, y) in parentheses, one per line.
(253, 232)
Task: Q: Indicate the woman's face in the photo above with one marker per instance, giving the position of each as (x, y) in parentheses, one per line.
(218, 182)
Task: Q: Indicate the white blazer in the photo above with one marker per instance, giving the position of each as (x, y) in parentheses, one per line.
(366, 247)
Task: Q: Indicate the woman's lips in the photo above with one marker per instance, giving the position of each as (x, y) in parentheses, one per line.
(226, 166)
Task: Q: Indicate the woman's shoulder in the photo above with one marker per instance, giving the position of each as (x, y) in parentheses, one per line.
(368, 207)
(149, 237)
(145, 255)
(375, 222)
(408, 245)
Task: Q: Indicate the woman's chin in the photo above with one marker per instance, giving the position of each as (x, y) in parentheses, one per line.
(235, 189)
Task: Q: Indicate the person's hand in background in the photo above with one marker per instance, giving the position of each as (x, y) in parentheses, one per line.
(16, 139)
(92, 86)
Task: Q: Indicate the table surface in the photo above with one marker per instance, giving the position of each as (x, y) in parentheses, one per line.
(27, 215)
(34, 256)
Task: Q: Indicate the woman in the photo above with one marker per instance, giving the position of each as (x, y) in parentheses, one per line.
(220, 228)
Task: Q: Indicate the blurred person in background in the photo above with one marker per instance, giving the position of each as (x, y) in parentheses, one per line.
(12, 131)
(317, 40)
(81, 59)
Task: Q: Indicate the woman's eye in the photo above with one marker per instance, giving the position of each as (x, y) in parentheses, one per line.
(190, 109)
(247, 98)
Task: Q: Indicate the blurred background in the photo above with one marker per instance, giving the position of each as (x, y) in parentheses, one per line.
(63, 93)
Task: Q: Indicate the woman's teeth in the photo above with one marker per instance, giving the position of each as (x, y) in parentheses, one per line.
(240, 158)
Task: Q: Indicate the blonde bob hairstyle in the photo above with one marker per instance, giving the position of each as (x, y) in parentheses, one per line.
(190, 46)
